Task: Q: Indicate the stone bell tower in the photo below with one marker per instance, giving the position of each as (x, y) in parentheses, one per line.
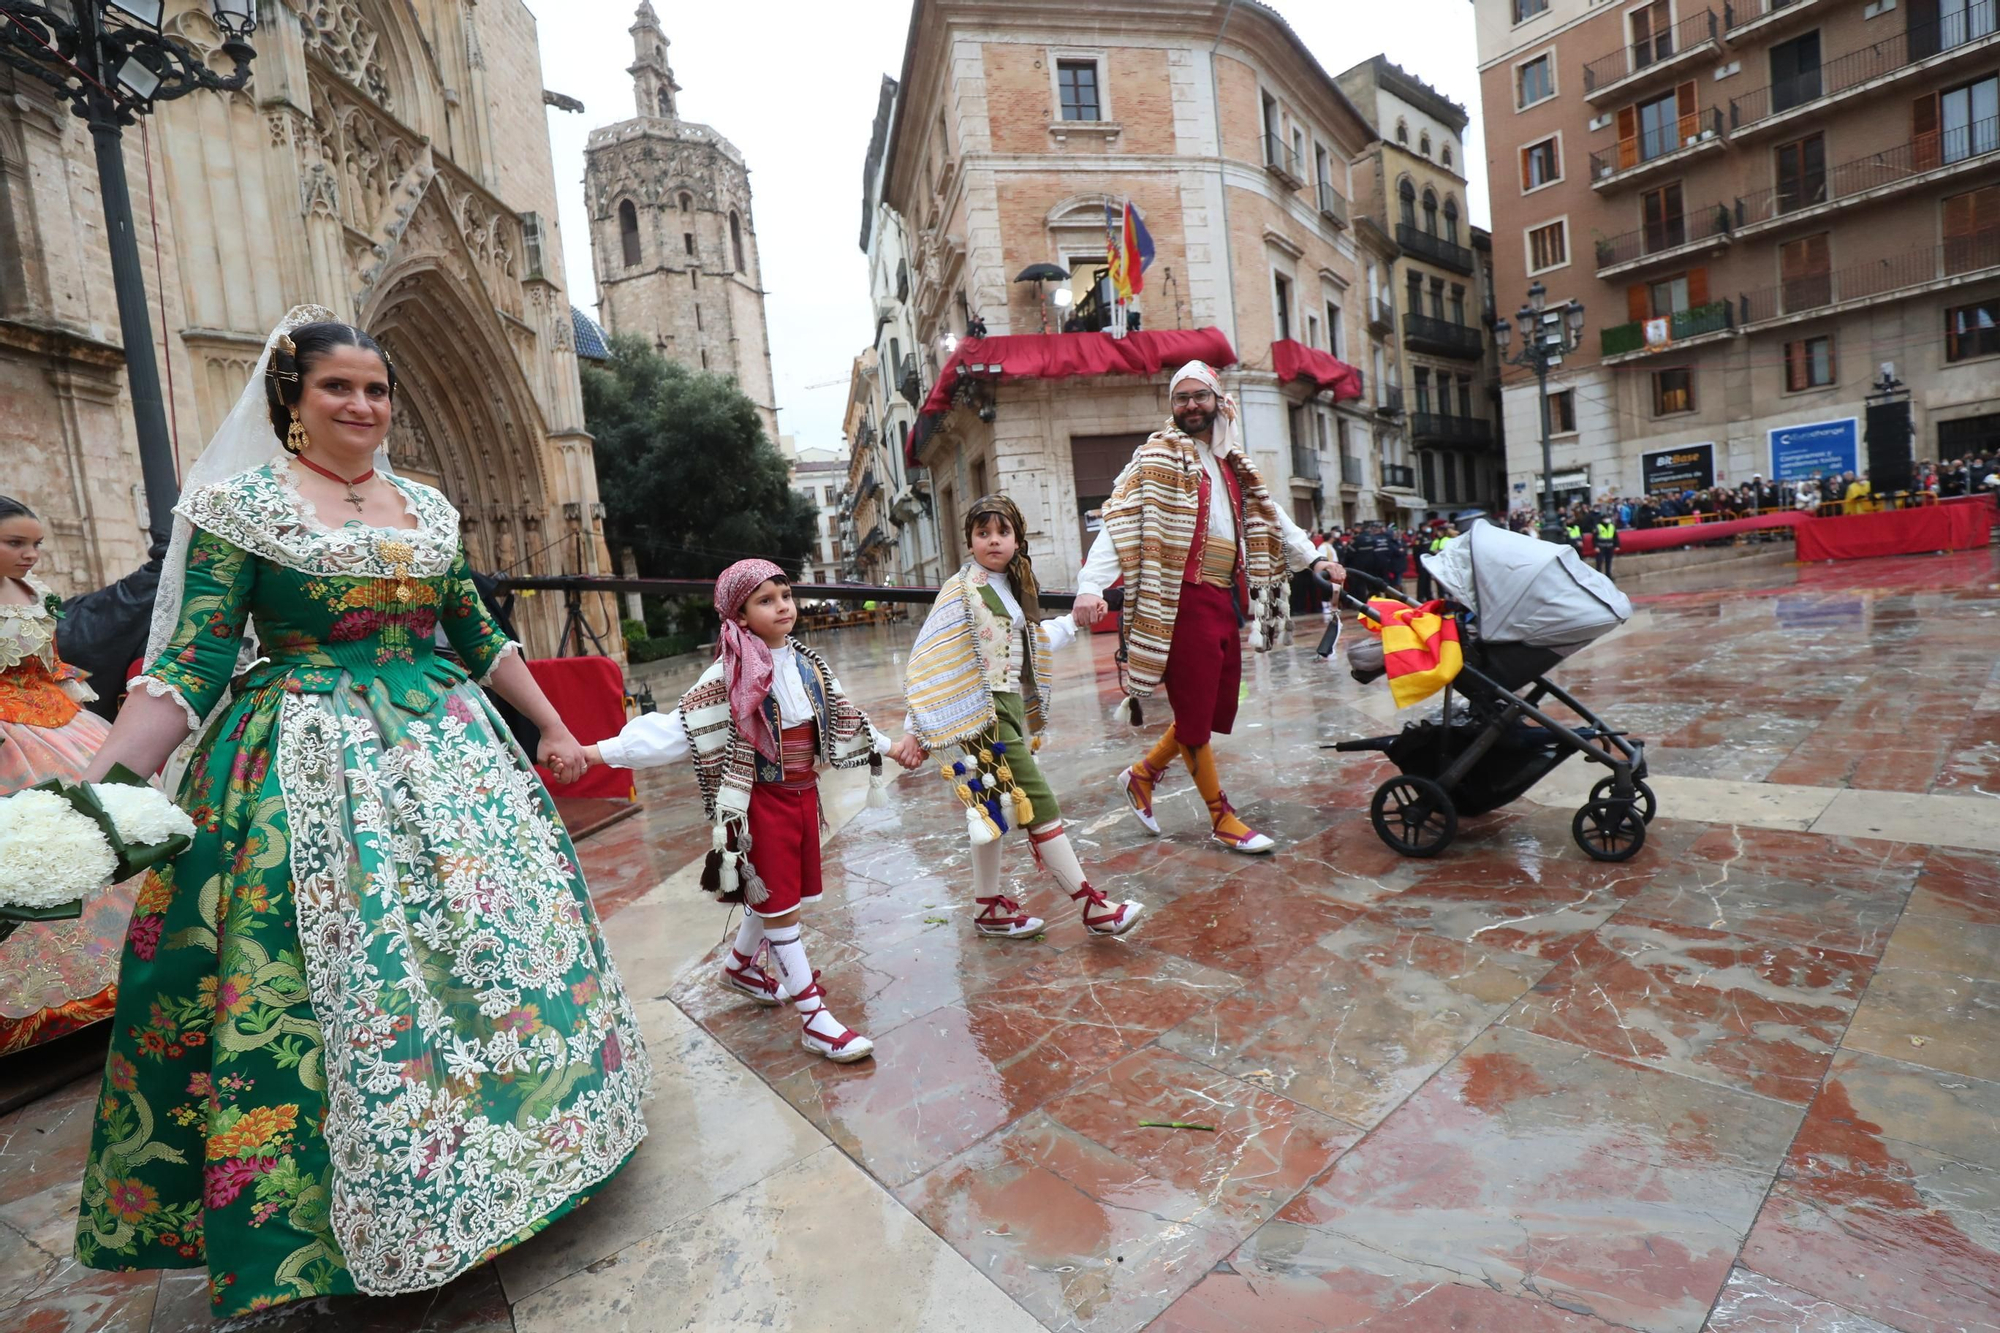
(671, 234)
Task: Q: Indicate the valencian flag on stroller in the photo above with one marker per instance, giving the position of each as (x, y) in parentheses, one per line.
(1516, 608)
(1420, 649)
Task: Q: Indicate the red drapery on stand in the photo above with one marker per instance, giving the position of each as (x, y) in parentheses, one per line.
(1061, 356)
(589, 696)
(1293, 360)
(1954, 525)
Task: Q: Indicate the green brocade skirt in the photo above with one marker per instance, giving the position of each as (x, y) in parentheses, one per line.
(368, 1033)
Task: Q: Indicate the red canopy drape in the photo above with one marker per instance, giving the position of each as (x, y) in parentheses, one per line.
(1061, 356)
(1293, 360)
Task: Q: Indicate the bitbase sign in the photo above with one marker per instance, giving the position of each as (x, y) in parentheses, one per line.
(1688, 468)
(1827, 448)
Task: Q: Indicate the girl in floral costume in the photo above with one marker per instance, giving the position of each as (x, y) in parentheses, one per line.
(368, 1034)
(55, 976)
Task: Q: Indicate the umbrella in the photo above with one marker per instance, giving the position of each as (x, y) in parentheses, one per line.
(1043, 273)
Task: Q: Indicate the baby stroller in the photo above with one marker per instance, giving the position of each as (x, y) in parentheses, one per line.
(1522, 606)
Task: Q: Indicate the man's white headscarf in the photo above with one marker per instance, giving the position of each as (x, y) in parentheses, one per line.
(1222, 436)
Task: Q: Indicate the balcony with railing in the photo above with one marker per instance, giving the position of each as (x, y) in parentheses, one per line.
(909, 383)
(1444, 428)
(1392, 401)
(1763, 19)
(1350, 470)
(1648, 153)
(1709, 321)
(1441, 337)
(1381, 315)
(1656, 58)
(1664, 241)
(1281, 161)
(1925, 160)
(1912, 273)
(1400, 475)
(1332, 204)
(1305, 463)
(1420, 244)
(1898, 56)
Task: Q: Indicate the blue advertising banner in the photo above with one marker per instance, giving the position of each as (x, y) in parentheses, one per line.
(1827, 447)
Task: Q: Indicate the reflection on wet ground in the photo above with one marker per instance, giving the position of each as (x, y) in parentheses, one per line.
(1747, 1081)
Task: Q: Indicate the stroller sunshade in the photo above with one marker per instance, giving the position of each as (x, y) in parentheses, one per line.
(1525, 590)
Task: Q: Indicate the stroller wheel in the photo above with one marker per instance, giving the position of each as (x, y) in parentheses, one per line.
(1609, 830)
(1649, 804)
(1414, 816)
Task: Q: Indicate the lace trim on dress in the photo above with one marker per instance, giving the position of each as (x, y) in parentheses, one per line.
(508, 647)
(262, 511)
(160, 689)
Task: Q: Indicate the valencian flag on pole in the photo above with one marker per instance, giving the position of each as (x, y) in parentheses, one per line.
(1130, 248)
(1420, 647)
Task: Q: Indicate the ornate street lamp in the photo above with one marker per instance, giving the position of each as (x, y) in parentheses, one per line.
(112, 62)
(1546, 337)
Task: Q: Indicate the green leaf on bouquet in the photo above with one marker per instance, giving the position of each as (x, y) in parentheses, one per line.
(58, 912)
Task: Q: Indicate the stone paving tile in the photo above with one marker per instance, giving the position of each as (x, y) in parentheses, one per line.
(1360, 1019)
(1091, 1221)
(1726, 1008)
(1935, 998)
(1529, 1168)
(1888, 1203)
(1753, 1303)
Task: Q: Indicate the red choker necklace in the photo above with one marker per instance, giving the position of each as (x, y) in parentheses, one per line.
(353, 496)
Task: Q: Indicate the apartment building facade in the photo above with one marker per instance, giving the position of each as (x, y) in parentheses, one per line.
(1762, 207)
(1017, 123)
(1443, 449)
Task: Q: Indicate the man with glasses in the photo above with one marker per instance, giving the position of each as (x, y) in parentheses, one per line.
(1200, 544)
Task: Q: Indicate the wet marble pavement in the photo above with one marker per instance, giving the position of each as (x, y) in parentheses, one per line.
(1747, 1081)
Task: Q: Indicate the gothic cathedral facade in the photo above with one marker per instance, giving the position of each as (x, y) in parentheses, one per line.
(671, 234)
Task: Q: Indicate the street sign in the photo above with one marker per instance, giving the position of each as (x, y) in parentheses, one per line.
(1828, 447)
(1690, 467)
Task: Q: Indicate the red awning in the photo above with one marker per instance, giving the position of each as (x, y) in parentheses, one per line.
(1294, 360)
(1061, 356)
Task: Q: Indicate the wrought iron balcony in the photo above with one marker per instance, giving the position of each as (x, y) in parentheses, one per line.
(1381, 314)
(1652, 152)
(909, 383)
(1441, 337)
(1922, 160)
(1399, 474)
(1420, 244)
(1332, 204)
(1282, 162)
(1350, 470)
(1664, 239)
(1621, 339)
(1305, 463)
(1444, 428)
(1896, 56)
(1657, 58)
(1955, 261)
(1392, 401)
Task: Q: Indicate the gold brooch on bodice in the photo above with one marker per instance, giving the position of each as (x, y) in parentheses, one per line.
(399, 555)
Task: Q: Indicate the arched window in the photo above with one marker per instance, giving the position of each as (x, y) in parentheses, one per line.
(1430, 211)
(736, 240)
(687, 201)
(1446, 155)
(628, 232)
(1407, 196)
(1402, 132)
(1451, 220)
(666, 104)
(1424, 143)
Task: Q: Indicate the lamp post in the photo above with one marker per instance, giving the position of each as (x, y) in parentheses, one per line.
(113, 63)
(1546, 337)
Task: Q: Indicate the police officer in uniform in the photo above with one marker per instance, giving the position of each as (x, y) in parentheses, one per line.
(1606, 537)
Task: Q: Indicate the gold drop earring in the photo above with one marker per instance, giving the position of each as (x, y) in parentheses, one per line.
(296, 439)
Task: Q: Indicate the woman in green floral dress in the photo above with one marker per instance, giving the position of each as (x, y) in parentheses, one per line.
(368, 1033)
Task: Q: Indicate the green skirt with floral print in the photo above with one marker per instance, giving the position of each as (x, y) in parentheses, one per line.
(367, 1031)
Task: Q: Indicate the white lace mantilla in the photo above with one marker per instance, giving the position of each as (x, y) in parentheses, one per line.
(262, 511)
(433, 891)
(27, 630)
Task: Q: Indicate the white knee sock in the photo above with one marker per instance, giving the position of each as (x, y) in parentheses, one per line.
(749, 935)
(1058, 855)
(986, 869)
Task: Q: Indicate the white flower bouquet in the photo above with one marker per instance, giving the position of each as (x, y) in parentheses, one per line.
(60, 841)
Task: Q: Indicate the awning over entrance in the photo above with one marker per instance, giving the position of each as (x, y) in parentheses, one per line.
(1410, 502)
(1061, 356)
(1293, 360)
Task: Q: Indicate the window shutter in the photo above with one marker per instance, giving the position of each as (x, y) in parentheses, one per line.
(1959, 216)
(1628, 136)
(1697, 288)
(1637, 307)
(1524, 169)
(1690, 119)
(1924, 132)
(1795, 366)
(1807, 257)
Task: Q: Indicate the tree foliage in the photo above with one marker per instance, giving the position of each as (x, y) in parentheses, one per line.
(688, 478)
